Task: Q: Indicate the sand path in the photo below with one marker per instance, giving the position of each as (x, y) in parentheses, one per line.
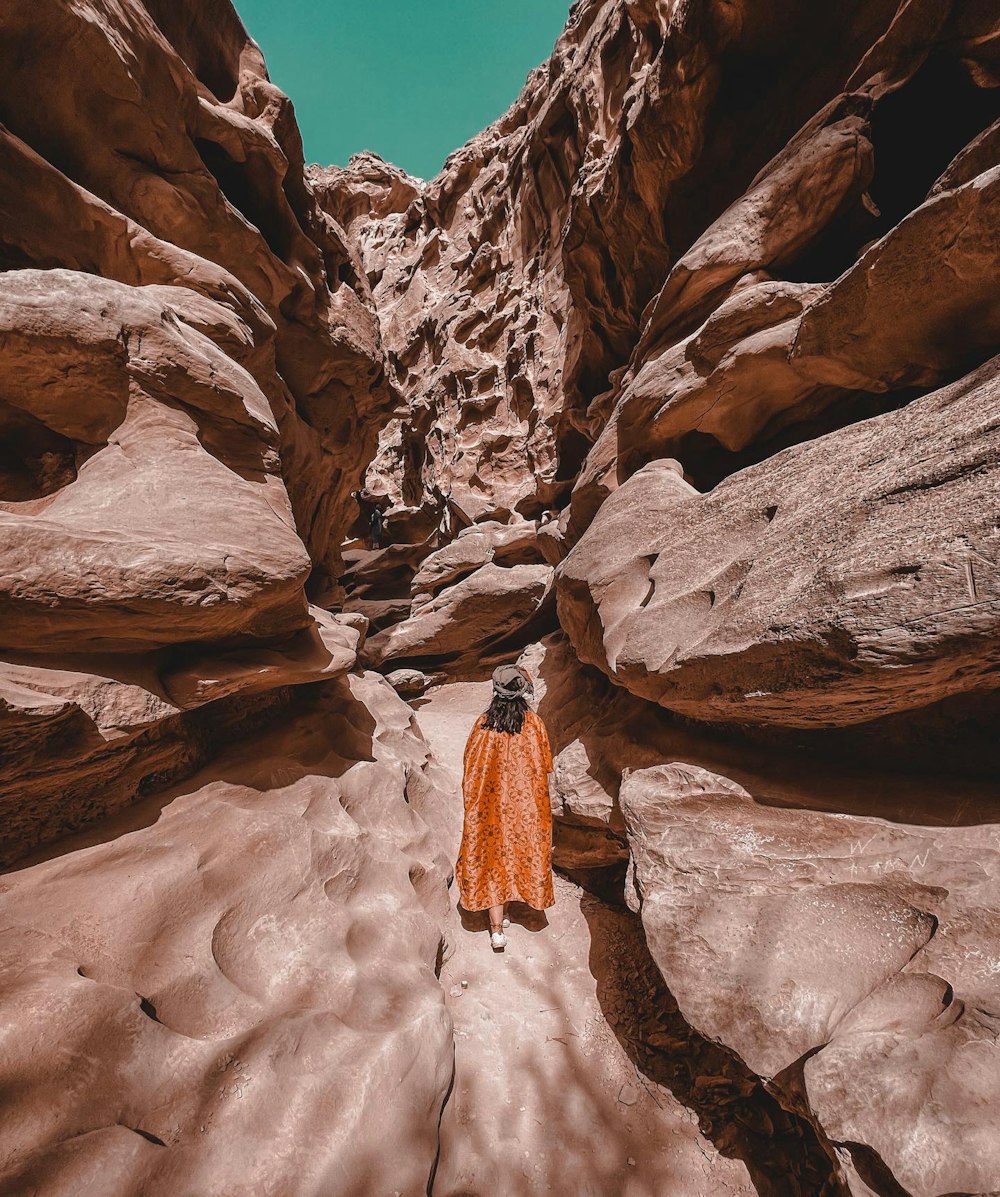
(546, 1098)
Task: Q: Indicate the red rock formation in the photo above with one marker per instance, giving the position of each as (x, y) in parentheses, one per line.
(170, 158)
(845, 579)
(853, 952)
(711, 239)
(709, 208)
(193, 380)
(699, 336)
(216, 987)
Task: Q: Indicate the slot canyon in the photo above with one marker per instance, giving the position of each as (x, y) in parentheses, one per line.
(678, 385)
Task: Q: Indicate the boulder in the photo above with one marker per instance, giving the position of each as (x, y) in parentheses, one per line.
(852, 946)
(507, 545)
(469, 620)
(410, 683)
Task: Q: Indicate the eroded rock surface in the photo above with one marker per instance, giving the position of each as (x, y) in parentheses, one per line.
(838, 945)
(700, 336)
(192, 381)
(842, 580)
(477, 619)
(245, 983)
(544, 359)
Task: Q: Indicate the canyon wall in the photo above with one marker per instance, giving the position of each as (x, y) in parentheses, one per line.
(699, 341)
(192, 376)
(231, 969)
(681, 242)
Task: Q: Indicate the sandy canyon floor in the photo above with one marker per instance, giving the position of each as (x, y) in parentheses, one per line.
(547, 1098)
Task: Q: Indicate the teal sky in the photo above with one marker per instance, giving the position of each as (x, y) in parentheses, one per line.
(410, 79)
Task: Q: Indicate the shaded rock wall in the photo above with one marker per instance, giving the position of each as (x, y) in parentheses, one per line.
(784, 596)
(845, 959)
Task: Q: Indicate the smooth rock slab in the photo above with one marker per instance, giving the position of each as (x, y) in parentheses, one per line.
(782, 931)
(514, 544)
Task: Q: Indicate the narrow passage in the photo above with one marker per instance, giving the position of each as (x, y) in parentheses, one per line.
(546, 1100)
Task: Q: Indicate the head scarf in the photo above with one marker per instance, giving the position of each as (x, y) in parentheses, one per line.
(511, 682)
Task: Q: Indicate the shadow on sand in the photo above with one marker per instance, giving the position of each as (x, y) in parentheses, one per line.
(782, 1151)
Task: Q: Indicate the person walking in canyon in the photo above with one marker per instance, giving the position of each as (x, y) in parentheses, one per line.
(375, 528)
(506, 852)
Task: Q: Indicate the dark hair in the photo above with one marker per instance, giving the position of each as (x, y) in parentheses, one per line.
(506, 714)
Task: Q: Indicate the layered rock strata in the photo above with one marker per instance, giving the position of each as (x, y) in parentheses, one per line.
(225, 987)
(192, 379)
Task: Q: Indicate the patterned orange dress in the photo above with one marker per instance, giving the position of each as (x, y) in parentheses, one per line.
(506, 853)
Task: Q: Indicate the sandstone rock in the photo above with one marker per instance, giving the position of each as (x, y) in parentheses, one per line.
(705, 232)
(795, 936)
(469, 620)
(169, 163)
(83, 740)
(511, 287)
(933, 271)
(195, 546)
(600, 733)
(380, 613)
(789, 204)
(826, 586)
(193, 380)
(395, 585)
(410, 683)
(326, 649)
(253, 971)
(596, 730)
(502, 544)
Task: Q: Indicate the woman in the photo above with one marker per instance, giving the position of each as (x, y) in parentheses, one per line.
(506, 852)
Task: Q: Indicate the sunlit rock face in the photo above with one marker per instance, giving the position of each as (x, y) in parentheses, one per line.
(842, 580)
(226, 986)
(715, 306)
(232, 988)
(192, 380)
(847, 959)
(703, 233)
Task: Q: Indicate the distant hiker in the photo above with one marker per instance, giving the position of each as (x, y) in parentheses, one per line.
(506, 852)
(376, 527)
(444, 510)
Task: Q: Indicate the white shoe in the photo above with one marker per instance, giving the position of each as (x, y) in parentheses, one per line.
(506, 922)
(498, 941)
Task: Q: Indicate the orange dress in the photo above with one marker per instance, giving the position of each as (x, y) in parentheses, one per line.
(506, 853)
